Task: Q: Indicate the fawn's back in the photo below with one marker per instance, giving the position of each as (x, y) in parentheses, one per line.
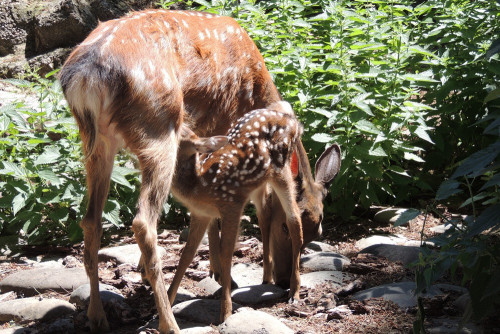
(259, 145)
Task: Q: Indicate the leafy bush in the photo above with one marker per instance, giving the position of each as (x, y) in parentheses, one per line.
(41, 170)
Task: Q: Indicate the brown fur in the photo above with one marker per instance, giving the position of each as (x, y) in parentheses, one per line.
(134, 82)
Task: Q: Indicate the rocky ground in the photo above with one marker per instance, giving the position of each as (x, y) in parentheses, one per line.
(356, 280)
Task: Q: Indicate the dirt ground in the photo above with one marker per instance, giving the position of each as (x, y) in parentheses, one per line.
(310, 315)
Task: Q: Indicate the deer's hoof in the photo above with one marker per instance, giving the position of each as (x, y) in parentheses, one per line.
(99, 325)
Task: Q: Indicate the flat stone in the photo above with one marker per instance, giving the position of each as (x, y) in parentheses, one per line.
(394, 253)
(186, 327)
(389, 216)
(35, 281)
(320, 247)
(381, 239)
(440, 229)
(183, 295)
(244, 274)
(14, 330)
(81, 296)
(450, 326)
(252, 322)
(205, 311)
(34, 308)
(256, 294)
(125, 254)
(324, 261)
(402, 293)
(184, 236)
(332, 277)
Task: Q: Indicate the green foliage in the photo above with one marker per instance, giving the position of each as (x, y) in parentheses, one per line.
(471, 246)
(41, 169)
(386, 80)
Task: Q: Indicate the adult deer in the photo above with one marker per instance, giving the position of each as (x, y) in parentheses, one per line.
(134, 82)
(257, 152)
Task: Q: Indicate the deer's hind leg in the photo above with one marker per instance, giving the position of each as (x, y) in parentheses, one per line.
(99, 166)
(157, 157)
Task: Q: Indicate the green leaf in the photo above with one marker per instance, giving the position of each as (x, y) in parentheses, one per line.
(50, 176)
(49, 156)
(477, 162)
(111, 212)
(489, 218)
(493, 95)
(406, 216)
(119, 178)
(421, 132)
(412, 156)
(18, 202)
(367, 126)
(377, 151)
(447, 189)
(322, 138)
(10, 168)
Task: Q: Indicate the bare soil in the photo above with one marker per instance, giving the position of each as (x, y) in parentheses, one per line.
(312, 314)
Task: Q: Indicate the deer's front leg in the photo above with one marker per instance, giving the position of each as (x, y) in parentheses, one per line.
(284, 188)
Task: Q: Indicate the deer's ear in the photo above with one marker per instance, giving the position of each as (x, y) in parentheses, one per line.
(211, 144)
(328, 165)
(294, 164)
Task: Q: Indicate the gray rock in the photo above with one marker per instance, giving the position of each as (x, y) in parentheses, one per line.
(209, 285)
(34, 281)
(252, 322)
(186, 327)
(14, 330)
(381, 239)
(81, 296)
(255, 294)
(184, 235)
(394, 253)
(324, 261)
(389, 216)
(205, 311)
(440, 229)
(320, 247)
(402, 293)
(183, 295)
(34, 308)
(62, 326)
(462, 302)
(451, 326)
(125, 254)
(332, 277)
(244, 274)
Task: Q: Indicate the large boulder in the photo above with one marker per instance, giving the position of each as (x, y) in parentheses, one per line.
(41, 33)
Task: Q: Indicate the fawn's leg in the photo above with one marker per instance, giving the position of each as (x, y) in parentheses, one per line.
(284, 187)
(197, 229)
(99, 166)
(229, 233)
(157, 158)
(263, 205)
(214, 254)
(214, 249)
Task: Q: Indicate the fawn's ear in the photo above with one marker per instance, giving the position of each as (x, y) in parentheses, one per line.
(328, 165)
(211, 144)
